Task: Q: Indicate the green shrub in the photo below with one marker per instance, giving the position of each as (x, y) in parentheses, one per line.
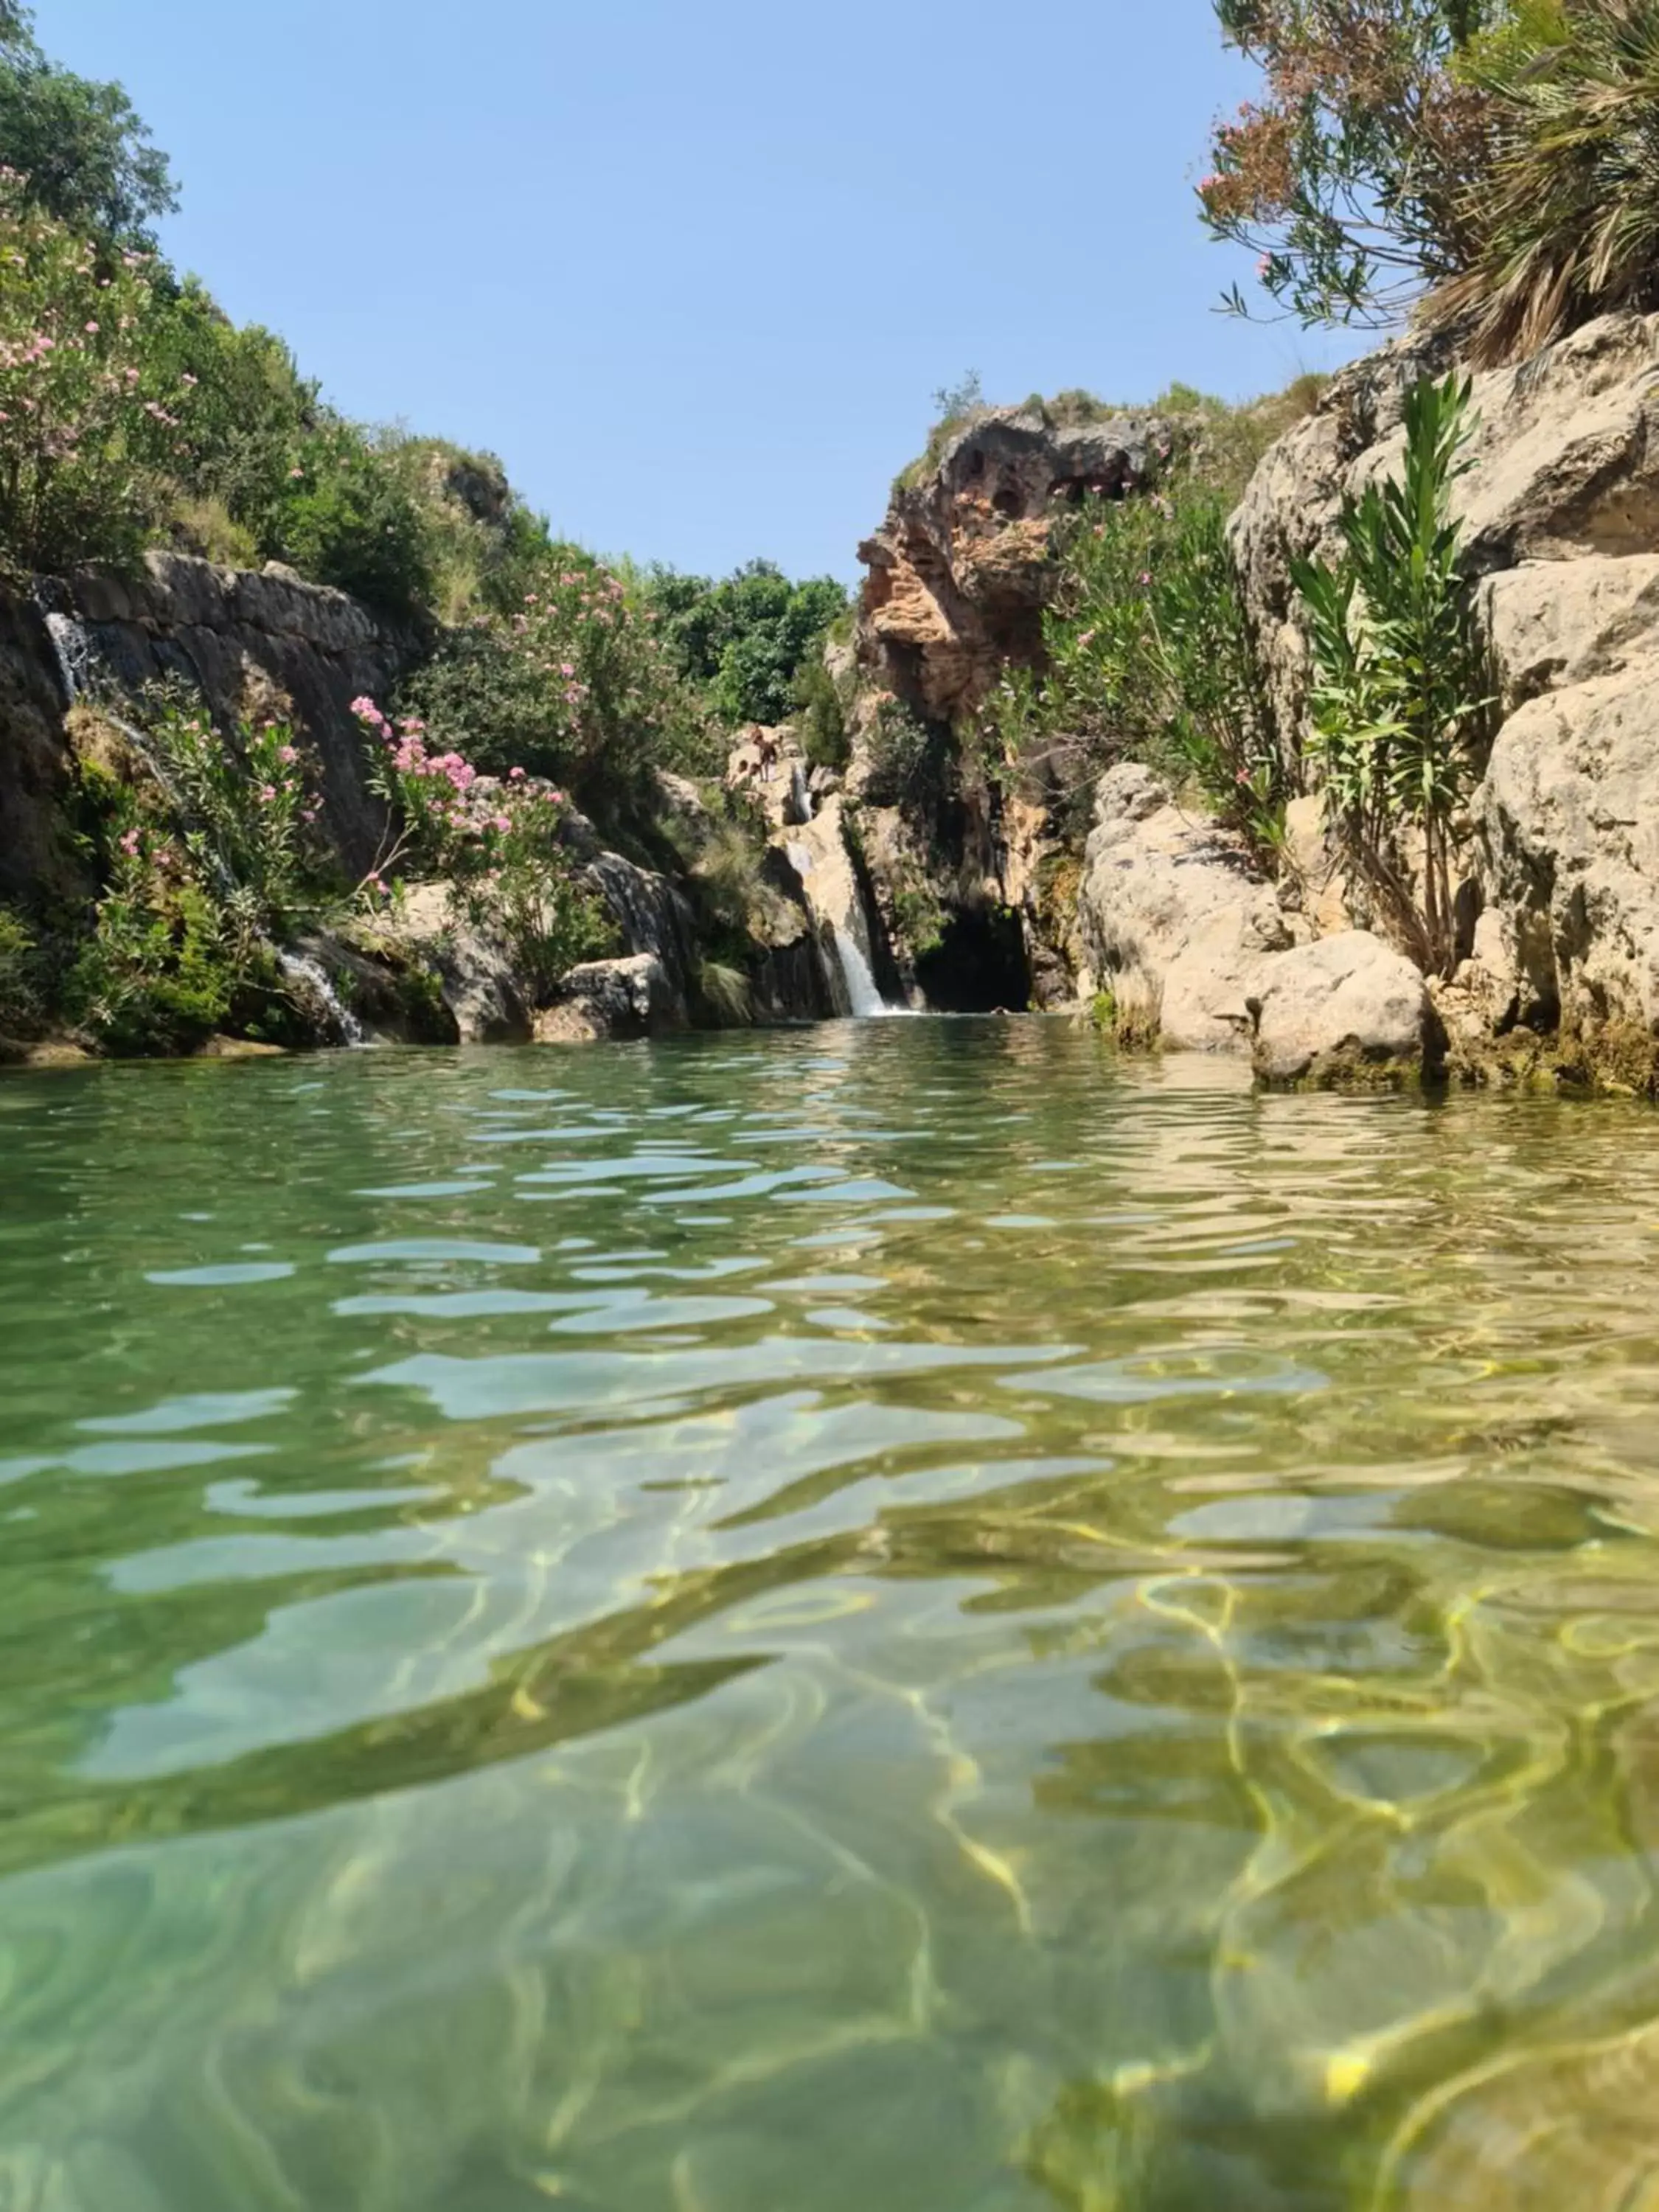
(907, 763)
(496, 842)
(576, 686)
(1568, 219)
(349, 518)
(820, 716)
(1148, 657)
(744, 641)
(87, 394)
(19, 998)
(160, 970)
(1399, 697)
(243, 809)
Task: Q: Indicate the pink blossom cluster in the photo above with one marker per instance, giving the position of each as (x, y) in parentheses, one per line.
(446, 789)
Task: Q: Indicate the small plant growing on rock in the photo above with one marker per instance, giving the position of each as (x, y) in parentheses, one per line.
(1399, 697)
(494, 839)
(18, 1001)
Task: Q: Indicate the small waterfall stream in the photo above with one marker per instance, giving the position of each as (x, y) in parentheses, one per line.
(77, 657)
(865, 1000)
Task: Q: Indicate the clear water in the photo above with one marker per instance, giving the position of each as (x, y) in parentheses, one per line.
(893, 1619)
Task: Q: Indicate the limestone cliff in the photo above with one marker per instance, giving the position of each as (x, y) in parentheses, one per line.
(1560, 507)
(957, 579)
(959, 570)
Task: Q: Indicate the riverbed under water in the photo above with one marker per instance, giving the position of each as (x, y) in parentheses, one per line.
(899, 1617)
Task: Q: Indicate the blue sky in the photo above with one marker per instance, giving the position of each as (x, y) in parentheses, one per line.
(695, 271)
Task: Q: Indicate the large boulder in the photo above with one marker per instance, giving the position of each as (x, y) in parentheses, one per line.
(1569, 818)
(1177, 920)
(1342, 1009)
(629, 998)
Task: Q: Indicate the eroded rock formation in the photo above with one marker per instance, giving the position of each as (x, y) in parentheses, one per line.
(959, 570)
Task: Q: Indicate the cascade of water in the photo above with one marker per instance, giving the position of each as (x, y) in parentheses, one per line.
(72, 649)
(863, 997)
(312, 980)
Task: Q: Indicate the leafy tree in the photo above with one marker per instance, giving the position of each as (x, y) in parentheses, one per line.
(87, 155)
(744, 640)
(1351, 177)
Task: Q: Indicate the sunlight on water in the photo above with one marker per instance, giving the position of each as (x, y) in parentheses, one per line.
(888, 1618)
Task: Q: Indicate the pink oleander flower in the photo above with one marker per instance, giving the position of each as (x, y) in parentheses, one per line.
(130, 844)
(92, 330)
(567, 668)
(267, 792)
(412, 725)
(1145, 575)
(503, 823)
(515, 776)
(288, 755)
(365, 708)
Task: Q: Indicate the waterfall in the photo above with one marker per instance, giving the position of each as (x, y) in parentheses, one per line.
(73, 650)
(312, 980)
(862, 996)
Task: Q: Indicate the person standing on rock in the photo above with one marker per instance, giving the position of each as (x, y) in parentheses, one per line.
(766, 752)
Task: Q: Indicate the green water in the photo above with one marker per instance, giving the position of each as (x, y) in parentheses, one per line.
(892, 1619)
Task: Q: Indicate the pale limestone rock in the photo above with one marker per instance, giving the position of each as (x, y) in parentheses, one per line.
(1177, 920)
(1556, 623)
(1344, 1008)
(1569, 818)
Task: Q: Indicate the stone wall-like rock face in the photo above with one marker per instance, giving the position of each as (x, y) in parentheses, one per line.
(36, 857)
(253, 642)
(1560, 509)
(959, 570)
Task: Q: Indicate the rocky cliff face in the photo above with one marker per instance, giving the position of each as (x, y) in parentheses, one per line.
(252, 644)
(958, 578)
(1560, 507)
(959, 570)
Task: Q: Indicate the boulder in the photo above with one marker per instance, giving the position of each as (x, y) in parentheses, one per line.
(1569, 824)
(1344, 1009)
(629, 997)
(1177, 920)
(475, 970)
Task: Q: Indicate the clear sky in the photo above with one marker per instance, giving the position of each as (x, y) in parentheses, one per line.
(694, 268)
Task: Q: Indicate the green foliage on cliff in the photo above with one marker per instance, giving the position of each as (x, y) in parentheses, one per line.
(1400, 692)
(743, 641)
(1148, 657)
(576, 684)
(1497, 155)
